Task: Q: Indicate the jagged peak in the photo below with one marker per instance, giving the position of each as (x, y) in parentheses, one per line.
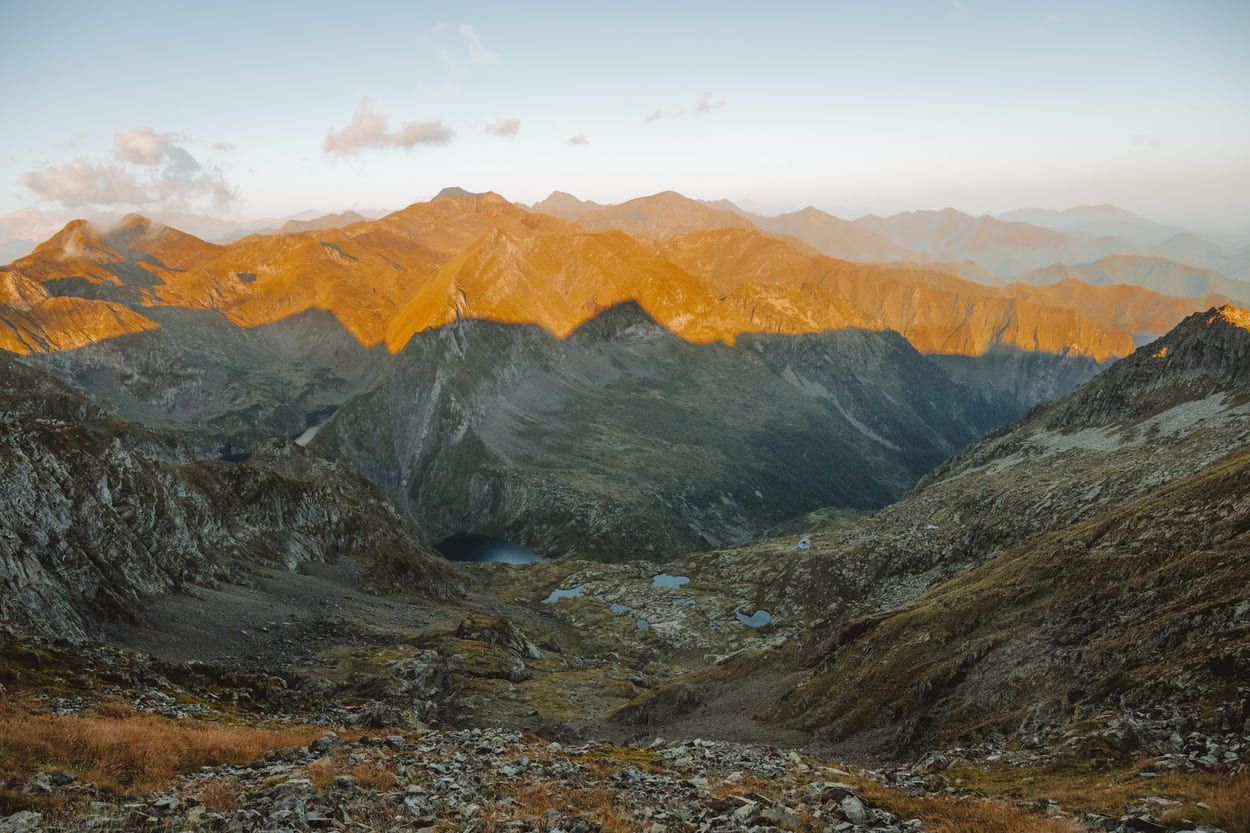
(1230, 314)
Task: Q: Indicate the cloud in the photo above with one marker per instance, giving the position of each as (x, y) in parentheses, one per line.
(1145, 140)
(705, 104)
(579, 139)
(504, 127)
(143, 145)
(154, 170)
(369, 129)
(224, 146)
(82, 182)
(477, 54)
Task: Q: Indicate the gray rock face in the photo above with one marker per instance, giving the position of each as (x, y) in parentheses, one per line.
(97, 515)
(623, 440)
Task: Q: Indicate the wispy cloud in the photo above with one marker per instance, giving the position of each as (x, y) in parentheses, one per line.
(224, 147)
(705, 104)
(368, 129)
(504, 127)
(478, 54)
(579, 139)
(1145, 140)
(151, 169)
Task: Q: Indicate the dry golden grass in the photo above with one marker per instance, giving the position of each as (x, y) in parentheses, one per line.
(1230, 803)
(947, 814)
(322, 772)
(220, 795)
(1227, 795)
(600, 802)
(373, 776)
(129, 754)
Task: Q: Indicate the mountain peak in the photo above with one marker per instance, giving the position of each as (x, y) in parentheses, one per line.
(1230, 314)
(1206, 354)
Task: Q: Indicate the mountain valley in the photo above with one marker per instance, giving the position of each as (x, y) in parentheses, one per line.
(979, 538)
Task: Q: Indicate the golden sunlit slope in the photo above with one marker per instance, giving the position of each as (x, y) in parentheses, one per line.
(53, 324)
(557, 281)
(656, 217)
(364, 274)
(121, 259)
(481, 256)
(935, 311)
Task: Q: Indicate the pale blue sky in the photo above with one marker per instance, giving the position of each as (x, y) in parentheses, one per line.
(983, 106)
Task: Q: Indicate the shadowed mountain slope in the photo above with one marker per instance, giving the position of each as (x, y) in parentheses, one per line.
(623, 439)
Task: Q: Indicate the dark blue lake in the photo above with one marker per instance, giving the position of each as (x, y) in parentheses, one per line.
(465, 546)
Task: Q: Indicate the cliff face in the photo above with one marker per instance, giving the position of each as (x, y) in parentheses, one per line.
(99, 515)
(624, 440)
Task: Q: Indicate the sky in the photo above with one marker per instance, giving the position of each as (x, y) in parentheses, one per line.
(265, 109)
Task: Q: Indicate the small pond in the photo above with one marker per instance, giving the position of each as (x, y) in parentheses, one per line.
(758, 619)
(561, 593)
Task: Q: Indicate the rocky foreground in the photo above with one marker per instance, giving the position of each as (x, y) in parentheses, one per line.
(479, 780)
(490, 780)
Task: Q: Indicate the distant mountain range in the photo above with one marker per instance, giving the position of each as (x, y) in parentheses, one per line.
(1000, 247)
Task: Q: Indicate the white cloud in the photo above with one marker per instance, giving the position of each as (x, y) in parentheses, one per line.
(656, 115)
(504, 127)
(579, 139)
(224, 146)
(477, 53)
(370, 129)
(155, 171)
(1145, 140)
